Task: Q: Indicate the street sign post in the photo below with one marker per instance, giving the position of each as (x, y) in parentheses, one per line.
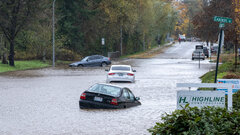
(222, 21)
(103, 41)
(221, 25)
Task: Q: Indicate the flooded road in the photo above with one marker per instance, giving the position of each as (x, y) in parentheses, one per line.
(45, 101)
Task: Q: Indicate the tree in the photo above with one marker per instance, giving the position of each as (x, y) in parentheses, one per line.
(204, 26)
(14, 15)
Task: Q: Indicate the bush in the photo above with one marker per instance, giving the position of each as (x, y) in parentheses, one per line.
(65, 54)
(231, 76)
(208, 120)
(236, 100)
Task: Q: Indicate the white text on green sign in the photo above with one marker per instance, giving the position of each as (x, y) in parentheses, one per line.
(222, 19)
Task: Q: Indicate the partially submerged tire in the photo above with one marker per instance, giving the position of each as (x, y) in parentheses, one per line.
(104, 64)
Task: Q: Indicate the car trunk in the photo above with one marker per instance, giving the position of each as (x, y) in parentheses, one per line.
(98, 97)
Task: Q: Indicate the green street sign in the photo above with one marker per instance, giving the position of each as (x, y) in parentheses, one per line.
(222, 19)
(221, 25)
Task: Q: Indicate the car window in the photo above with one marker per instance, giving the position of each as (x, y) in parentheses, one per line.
(121, 68)
(106, 89)
(131, 95)
(84, 59)
(126, 94)
(98, 57)
(91, 58)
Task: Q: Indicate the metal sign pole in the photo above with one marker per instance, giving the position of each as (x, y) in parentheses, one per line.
(219, 49)
(199, 61)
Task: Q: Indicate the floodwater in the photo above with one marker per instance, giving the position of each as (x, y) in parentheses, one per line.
(45, 101)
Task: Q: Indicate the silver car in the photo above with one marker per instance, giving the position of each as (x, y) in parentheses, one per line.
(197, 54)
(121, 73)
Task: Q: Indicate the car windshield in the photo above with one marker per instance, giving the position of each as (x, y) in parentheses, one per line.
(198, 51)
(121, 68)
(106, 90)
(84, 59)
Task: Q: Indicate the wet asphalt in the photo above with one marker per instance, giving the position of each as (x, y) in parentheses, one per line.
(45, 101)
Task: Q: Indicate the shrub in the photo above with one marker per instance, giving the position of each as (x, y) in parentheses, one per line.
(231, 76)
(65, 54)
(236, 100)
(207, 120)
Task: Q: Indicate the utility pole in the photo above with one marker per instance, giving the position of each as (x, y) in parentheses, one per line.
(121, 40)
(53, 34)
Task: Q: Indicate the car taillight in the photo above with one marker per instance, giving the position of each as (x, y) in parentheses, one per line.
(83, 96)
(202, 54)
(111, 73)
(114, 101)
(130, 74)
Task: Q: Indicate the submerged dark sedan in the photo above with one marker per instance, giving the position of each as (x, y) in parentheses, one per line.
(90, 61)
(106, 96)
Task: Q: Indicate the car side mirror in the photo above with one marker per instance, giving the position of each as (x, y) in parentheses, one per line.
(137, 98)
(134, 71)
(87, 60)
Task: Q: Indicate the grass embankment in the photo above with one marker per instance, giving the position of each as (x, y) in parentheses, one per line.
(148, 53)
(23, 65)
(223, 70)
(226, 70)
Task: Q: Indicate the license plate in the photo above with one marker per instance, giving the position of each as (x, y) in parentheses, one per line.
(99, 99)
(120, 74)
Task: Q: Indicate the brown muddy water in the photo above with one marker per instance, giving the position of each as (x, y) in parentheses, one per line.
(45, 101)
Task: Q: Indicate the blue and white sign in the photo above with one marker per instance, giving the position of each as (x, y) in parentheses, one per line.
(235, 82)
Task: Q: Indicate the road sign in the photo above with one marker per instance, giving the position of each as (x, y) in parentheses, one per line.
(222, 19)
(200, 98)
(234, 82)
(103, 41)
(211, 85)
(221, 25)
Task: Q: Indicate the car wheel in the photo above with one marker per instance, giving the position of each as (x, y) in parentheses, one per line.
(104, 64)
(80, 65)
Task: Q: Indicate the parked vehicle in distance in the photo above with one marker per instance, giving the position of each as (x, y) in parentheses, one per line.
(106, 96)
(206, 51)
(90, 61)
(198, 54)
(214, 49)
(199, 47)
(182, 37)
(123, 73)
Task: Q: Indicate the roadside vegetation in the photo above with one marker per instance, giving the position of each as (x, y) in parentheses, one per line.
(134, 26)
(23, 65)
(204, 121)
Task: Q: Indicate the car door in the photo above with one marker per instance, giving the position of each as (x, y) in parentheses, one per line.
(132, 100)
(126, 97)
(90, 61)
(98, 61)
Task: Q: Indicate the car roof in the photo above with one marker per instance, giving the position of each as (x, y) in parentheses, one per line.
(93, 55)
(121, 65)
(197, 51)
(112, 85)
